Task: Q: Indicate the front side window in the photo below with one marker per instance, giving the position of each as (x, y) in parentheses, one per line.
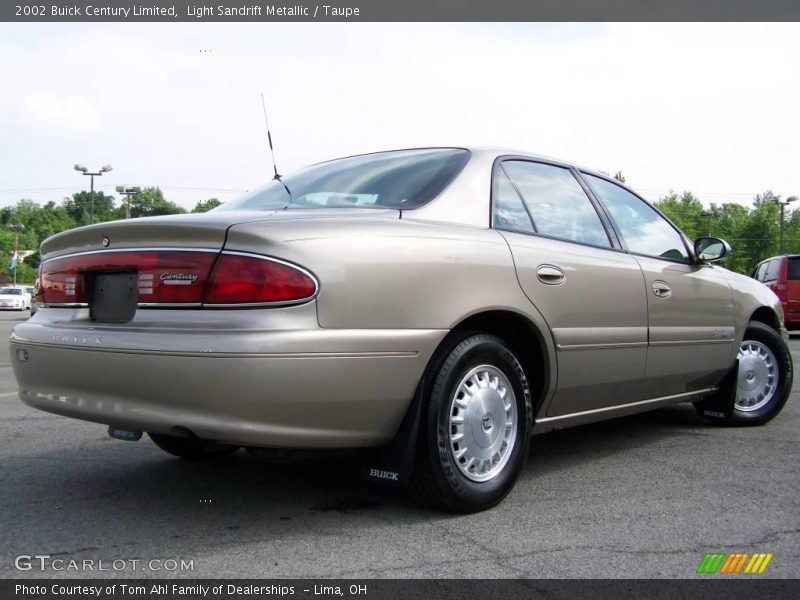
(644, 230)
(773, 268)
(401, 180)
(760, 271)
(556, 202)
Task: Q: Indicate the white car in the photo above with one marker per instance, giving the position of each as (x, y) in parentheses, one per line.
(15, 298)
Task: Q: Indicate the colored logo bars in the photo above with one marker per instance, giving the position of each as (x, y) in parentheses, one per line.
(739, 562)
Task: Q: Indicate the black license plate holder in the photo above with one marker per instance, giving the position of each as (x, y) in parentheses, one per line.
(114, 297)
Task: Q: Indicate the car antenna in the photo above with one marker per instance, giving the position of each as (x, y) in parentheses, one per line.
(277, 176)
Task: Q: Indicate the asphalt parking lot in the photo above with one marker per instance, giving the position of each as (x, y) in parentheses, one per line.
(644, 496)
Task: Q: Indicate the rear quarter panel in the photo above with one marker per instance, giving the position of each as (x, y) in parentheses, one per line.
(398, 273)
(381, 273)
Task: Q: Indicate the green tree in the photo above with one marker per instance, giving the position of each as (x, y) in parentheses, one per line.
(686, 211)
(79, 207)
(206, 205)
(150, 202)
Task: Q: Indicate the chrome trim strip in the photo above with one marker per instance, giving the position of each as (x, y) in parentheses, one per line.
(618, 407)
(170, 305)
(16, 339)
(276, 304)
(67, 305)
(692, 342)
(601, 346)
(142, 249)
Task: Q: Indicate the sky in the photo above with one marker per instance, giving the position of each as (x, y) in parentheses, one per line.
(710, 108)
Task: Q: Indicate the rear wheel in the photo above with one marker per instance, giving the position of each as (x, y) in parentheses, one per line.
(191, 448)
(764, 379)
(476, 426)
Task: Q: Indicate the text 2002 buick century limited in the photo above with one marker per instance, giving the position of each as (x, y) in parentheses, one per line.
(441, 304)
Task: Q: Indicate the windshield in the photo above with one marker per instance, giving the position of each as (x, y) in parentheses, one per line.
(11, 291)
(402, 179)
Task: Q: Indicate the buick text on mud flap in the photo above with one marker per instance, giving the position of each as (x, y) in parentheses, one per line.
(390, 475)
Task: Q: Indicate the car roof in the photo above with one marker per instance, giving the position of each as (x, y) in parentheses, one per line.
(485, 152)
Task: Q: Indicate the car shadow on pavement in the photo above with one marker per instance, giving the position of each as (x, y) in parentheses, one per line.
(564, 448)
(99, 496)
(138, 479)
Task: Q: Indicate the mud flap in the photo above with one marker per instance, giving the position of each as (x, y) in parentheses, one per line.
(720, 404)
(394, 463)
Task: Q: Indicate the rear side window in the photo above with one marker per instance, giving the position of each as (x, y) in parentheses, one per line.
(508, 208)
(794, 269)
(403, 179)
(556, 202)
(773, 269)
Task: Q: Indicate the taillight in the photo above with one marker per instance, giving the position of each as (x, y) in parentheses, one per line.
(780, 291)
(164, 276)
(177, 277)
(249, 279)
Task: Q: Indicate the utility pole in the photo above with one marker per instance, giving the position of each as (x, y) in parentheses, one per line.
(128, 192)
(783, 206)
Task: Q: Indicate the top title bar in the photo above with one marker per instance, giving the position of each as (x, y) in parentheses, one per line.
(400, 10)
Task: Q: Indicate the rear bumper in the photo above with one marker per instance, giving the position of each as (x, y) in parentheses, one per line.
(313, 388)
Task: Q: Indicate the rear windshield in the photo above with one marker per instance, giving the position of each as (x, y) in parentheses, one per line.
(794, 269)
(11, 292)
(402, 179)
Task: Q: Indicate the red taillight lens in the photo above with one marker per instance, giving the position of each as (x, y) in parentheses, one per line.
(246, 279)
(177, 277)
(165, 277)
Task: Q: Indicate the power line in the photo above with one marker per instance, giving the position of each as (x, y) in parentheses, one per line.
(163, 187)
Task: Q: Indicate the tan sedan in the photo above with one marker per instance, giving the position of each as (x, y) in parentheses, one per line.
(437, 306)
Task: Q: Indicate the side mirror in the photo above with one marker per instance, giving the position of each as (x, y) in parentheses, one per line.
(710, 249)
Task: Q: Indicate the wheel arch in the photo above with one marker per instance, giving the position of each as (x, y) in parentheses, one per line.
(525, 339)
(767, 316)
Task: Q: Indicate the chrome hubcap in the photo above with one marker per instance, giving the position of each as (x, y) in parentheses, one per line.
(483, 423)
(758, 376)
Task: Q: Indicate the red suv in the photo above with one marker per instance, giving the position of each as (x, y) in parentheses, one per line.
(781, 274)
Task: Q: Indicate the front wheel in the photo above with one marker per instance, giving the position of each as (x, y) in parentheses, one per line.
(476, 426)
(764, 380)
(191, 448)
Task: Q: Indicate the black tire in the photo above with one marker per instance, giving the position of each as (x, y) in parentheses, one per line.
(765, 335)
(192, 448)
(437, 479)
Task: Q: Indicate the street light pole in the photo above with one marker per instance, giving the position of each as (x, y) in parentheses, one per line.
(783, 206)
(85, 171)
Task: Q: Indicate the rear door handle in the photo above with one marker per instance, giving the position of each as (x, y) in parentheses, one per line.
(550, 275)
(661, 289)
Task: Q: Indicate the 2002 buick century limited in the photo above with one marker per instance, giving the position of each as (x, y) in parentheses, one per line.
(439, 305)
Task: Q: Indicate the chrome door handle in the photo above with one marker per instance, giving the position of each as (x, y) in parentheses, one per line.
(550, 275)
(661, 289)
